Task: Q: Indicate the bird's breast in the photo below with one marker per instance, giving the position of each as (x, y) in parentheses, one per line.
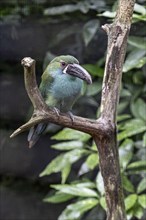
(66, 86)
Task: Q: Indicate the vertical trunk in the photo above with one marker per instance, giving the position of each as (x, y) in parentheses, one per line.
(107, 145)
(110, 170)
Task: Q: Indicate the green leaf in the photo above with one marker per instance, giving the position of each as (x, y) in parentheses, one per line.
(93, 89)
(85, 184)
(129, 214)
(94, 69)
(137, 211)
(63, 160)
(91, 162)
(100, 184)
(65, 172)
(70, 134)
(144, 140)
(137, 78)
(142, 200)
(108, 14)
(58, 198)
(137, 17)
(137, 166)
(125, 157)
(130, 201)
(89, 30)
(125, 93)
(128, 186)
(132, 127)
(55, 166)
(122, 106)
(141, 63)
(127, 144)
(103, 202)
(83, 169)
(75, 190)
(123, 117)
(76, 210)
(138, 109)
(69, 145)
(126, 152)
(131, 123)
(139, 9)
(94, 147)
(142, 185)
(138, 42)
(91, 68)
(134, 60)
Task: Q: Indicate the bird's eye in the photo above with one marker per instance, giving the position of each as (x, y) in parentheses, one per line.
(63, 64)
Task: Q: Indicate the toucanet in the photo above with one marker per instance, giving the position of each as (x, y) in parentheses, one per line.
(60, 87)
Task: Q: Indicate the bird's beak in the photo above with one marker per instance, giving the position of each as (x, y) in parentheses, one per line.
(78, 71)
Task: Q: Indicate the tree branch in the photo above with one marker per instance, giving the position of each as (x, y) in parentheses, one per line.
(117, 41)
(107, 147)
(91, 127)
(43, 113)
(31, 84)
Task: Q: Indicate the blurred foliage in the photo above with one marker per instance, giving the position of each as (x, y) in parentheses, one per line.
(48, 8)
(86, 194)
(138, 15)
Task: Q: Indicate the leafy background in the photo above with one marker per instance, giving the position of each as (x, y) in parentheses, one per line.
(71, 177)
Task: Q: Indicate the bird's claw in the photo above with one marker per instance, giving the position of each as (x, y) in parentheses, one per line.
(56, 111)
(70, 114)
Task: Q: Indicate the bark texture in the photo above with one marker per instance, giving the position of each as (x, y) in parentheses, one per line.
(117, 33)
(103, 130)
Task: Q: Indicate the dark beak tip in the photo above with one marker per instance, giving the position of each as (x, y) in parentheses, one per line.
(90, 82)
(78, 71)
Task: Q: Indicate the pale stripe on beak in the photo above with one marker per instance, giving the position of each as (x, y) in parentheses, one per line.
(78, 71)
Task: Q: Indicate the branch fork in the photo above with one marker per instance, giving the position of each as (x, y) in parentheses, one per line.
(43, 113)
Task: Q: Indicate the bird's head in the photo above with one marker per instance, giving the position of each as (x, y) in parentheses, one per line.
(70, 65)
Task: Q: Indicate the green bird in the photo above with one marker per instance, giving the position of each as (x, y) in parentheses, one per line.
(60, 87)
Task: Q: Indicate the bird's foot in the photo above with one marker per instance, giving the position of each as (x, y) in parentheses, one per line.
(70, 114)
(56, 111)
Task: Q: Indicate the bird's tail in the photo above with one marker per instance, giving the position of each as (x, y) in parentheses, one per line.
(35, 133)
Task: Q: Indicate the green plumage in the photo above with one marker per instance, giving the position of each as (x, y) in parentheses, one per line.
(60, 87)
(60, 90)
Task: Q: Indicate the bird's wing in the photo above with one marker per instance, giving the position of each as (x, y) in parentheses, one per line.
(47, 80)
